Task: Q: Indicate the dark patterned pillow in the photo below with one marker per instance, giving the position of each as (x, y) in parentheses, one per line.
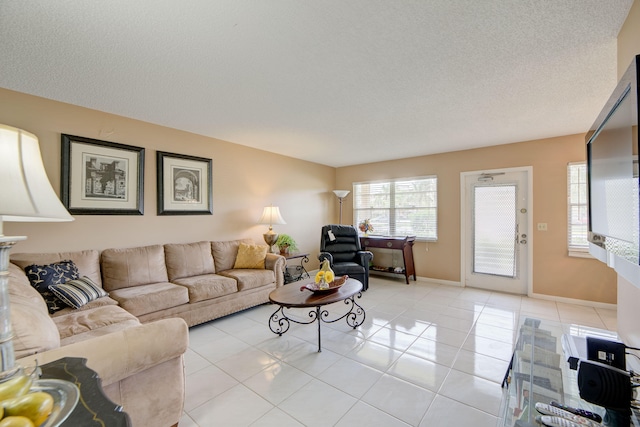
(79, 292)
(43, 276)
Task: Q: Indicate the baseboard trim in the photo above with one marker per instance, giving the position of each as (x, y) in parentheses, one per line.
(439, 281)
(575, 301)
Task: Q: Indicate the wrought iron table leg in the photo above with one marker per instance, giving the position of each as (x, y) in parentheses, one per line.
(354, 317)
(319, 322)
(279, 323)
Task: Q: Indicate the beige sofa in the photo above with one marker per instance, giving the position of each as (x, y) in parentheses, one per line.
(135, 337)
(194, 281)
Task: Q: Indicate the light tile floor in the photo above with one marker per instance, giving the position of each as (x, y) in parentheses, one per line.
(427, 355)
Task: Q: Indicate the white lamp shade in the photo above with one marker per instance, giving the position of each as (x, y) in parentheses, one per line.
(25, 191)
(271, 215)
(341, 193)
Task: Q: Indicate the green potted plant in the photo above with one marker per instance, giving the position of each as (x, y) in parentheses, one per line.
(286, 244)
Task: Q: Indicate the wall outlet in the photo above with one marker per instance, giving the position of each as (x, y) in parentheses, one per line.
(542, 226)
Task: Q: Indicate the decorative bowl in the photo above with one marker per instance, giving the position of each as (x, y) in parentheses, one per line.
(333, 286)
(65, 398)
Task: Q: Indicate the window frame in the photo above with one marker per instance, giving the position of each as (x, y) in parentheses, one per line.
(392, 209)
(580, 251)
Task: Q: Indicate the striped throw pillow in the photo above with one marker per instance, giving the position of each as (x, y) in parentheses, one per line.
(78, 292)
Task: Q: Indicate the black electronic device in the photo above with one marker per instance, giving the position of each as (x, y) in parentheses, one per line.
(605, 385)
(608, 352)
(552, 421)
(582, 412)
(554, 411)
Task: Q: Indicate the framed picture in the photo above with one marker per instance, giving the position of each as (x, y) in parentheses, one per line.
(101, 178)
(184, 185)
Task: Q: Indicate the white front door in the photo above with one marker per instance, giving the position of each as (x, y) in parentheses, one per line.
(495, 232)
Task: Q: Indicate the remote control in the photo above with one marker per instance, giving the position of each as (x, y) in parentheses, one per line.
(583, 413)
(556, 421)
(545, 409)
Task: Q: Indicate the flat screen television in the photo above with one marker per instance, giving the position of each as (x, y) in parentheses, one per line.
(612, 168)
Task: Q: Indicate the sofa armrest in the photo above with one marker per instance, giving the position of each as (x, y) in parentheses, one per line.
(276, 263)
(122, 354)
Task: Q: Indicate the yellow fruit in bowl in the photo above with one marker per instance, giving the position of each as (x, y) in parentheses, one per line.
(16, 422)
(319, 276)
(36, 406)
(15, 386)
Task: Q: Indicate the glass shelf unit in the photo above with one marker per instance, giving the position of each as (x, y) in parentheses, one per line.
(539, 371)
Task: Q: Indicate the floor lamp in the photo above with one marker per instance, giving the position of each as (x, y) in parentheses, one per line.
(271, 215)
(25, 196)
(341, 195)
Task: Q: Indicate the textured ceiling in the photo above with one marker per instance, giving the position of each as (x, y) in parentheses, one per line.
(336, 82)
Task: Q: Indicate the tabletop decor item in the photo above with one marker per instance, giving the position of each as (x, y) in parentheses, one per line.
(365, 226)
(27, 196)
(324, 276)
(286, 244)
(333, 286)
(271, 215)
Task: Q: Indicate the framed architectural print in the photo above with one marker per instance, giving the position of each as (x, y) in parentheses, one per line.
(101, 177)
(184, 185)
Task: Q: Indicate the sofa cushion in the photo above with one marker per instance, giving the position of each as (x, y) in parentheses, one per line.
(100, 302)
(143, 299)
(251, 256)
(34, 331)
(188, 259)
(125, 268)
(249, 279)
(88, 262)
(80, 322)
(44, 276)
(78, 292)
(207, 286)
(225, 253)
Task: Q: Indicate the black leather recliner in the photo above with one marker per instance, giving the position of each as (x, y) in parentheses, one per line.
(344, 253)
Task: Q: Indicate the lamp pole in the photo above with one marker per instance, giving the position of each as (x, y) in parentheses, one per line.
(341, 195)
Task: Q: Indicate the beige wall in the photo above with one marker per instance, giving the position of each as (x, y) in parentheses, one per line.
(244, 181)
(629, 294)
(629, 39)
(554, 272)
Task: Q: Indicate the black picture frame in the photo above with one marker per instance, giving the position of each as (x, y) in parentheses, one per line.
(101, 177)
(185, 184)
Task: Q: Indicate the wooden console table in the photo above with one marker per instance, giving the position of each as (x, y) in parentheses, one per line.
(404, 244)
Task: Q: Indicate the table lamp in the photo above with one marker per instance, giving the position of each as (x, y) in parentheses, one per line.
(341, 195)
(271, 215)
(26, 195)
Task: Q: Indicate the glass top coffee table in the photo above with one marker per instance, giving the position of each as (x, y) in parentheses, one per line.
(292, 296)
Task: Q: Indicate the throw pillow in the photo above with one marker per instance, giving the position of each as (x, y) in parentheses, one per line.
(79, 292)
(43, 276)
(251, 256)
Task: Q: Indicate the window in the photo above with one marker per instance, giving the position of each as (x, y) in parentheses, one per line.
(402, 207)
(577, 209)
